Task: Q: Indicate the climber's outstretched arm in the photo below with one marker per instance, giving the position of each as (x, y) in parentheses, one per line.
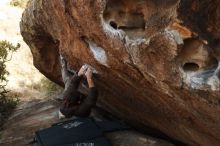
(89, 77)
(73, 84)
(89, 102)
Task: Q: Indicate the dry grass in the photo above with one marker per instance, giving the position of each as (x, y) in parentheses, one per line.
(19, 3)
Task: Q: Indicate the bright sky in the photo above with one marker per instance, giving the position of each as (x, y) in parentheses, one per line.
(3, 2)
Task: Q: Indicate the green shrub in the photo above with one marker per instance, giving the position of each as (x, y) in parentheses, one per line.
(45, 86)
(19, 3)
(6, 103)
(49, 86)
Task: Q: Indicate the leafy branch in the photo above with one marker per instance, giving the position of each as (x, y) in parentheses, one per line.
(6, 51)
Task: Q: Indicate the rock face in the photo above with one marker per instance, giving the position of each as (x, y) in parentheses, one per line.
(157, 60)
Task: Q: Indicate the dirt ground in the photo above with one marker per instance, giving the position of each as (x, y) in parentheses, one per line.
(37, 114)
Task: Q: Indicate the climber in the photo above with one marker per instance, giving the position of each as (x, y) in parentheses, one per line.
(75, 103)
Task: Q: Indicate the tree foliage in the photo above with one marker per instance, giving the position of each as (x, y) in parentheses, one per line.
(6, 51)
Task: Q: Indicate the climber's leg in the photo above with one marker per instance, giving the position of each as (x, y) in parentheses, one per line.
(66, 75)
(217, 71)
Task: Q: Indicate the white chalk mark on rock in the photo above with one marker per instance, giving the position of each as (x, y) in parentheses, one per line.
(98, 52)
(214, 83)
(176, 36)
(110, 31)
(136, 42)
(202, 80)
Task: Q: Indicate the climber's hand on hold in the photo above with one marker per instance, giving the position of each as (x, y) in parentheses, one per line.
(89, 76)
(89, 73)
(82, 70)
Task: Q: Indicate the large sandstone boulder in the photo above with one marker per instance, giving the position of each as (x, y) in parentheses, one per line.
(156, 59)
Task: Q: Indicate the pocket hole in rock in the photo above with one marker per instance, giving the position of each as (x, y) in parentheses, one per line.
(190, 66)
(127, 16)
(113, 24)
